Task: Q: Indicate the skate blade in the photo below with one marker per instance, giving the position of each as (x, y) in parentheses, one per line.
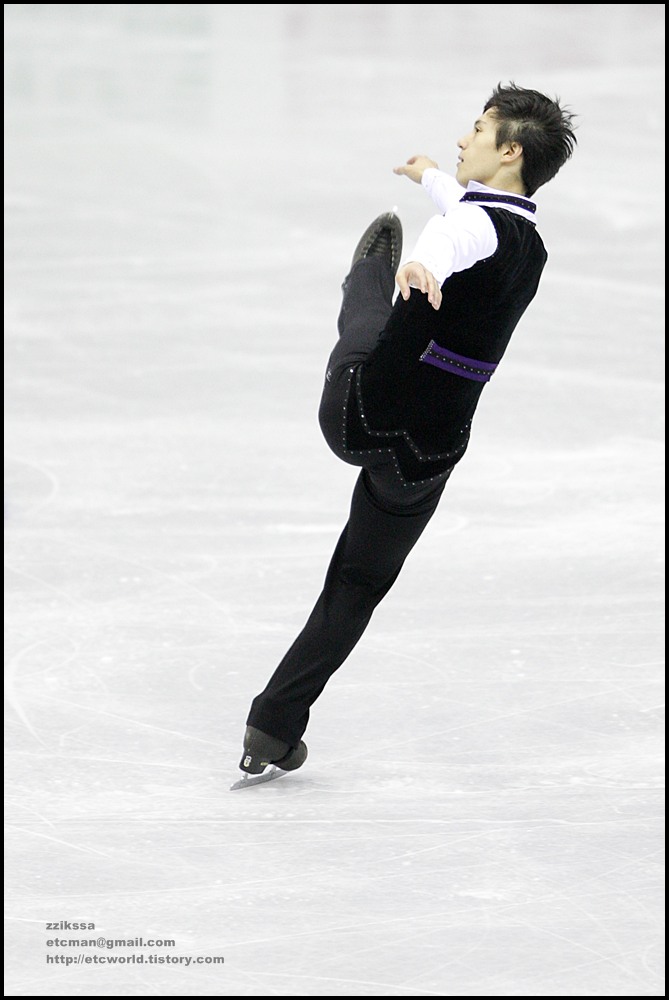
(247, 780)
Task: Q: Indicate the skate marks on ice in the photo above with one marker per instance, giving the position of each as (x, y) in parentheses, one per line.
(480, 813)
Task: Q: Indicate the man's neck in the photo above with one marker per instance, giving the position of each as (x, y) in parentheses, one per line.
(503, 185)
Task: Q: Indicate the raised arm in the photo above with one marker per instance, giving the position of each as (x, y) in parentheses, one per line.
(443, 189)
(415, 167)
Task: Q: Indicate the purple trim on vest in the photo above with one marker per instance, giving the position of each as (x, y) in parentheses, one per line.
(509, 199)
(457, 364)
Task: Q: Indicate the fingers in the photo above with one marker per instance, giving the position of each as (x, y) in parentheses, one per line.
(433, 292)
(415, 166)
(403, 284)
(414, 275)
(404, 169)
(430, 288)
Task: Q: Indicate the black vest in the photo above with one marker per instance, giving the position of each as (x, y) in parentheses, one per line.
(419, 388)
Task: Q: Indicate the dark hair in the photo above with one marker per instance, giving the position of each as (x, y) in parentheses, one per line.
(540, 125)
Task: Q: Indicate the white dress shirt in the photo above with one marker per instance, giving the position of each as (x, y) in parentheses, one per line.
(463, 234)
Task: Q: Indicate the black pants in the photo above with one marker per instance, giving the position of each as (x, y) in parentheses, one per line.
(385, 522)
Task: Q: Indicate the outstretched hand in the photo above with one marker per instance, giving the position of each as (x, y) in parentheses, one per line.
(414, 168)
(414, 275)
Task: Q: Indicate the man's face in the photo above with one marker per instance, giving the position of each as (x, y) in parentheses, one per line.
(479, 158)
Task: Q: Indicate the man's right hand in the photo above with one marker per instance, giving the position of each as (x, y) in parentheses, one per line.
(414, 167)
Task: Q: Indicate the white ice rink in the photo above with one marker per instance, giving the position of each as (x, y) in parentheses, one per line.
(481, 811)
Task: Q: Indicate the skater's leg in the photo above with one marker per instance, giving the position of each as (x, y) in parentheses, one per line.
(366, 306)
(368, 291)
(381, 531)
(367, 302)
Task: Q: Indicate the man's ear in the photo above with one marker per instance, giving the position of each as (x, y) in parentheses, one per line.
(512, 152)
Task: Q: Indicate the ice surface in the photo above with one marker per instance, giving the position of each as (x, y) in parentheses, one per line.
(481, 811)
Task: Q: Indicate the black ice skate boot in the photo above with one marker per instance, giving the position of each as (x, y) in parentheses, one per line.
(261, 750)
(382, 238)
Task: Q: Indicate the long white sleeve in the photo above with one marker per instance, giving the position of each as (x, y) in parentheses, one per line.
(455, 241)
(443, 189)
